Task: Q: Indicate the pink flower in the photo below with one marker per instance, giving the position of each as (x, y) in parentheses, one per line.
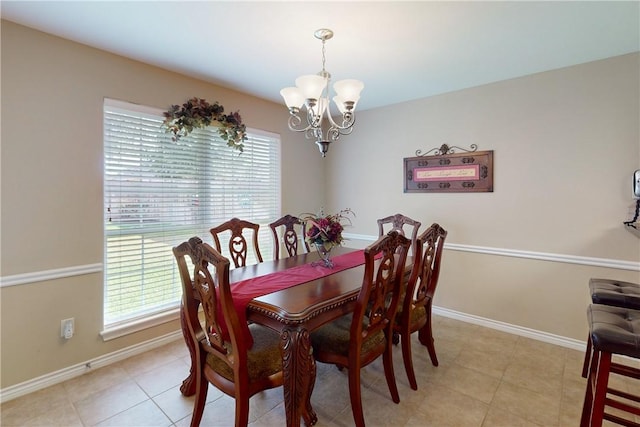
(326, 230)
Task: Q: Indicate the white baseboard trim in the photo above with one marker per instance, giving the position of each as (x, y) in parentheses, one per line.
(70, 372)
(512, 329)
(57, 377)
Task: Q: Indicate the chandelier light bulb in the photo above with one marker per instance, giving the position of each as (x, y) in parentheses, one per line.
(293, 97)
(311, 86)
(348, 89)
(344, 106)
(340, 104)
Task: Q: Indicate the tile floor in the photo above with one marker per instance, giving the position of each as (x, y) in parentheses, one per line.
(485, 378)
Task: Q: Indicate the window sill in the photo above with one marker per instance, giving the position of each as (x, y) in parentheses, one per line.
(130, 327)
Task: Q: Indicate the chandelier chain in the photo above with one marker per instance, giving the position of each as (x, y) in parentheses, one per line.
(323, 56)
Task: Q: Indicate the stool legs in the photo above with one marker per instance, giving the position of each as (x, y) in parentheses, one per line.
(595, 399)
(587, 358)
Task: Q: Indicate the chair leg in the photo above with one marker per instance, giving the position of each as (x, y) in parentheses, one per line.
(587, 358)
(202, 386)
(387, 361)
(354, 393)
(425, 335)
(242, 410)
(408, 358)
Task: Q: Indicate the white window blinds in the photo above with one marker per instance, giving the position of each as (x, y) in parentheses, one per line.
(159, 193)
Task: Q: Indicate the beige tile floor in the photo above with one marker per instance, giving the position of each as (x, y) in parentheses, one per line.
(485, 378)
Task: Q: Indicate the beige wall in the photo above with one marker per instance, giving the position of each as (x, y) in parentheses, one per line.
(565, 144)
(52, 97)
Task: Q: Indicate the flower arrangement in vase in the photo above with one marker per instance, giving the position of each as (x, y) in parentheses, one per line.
(181, 120)
(325, 231)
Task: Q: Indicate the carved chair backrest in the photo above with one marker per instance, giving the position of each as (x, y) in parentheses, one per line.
(238, 246)
(290, 236)
(208, 284)
(426, 268)
(377, 301)
(398, 222)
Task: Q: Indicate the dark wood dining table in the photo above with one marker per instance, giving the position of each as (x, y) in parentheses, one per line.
(294, 312)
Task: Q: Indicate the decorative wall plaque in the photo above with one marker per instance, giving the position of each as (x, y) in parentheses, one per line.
(448, 172)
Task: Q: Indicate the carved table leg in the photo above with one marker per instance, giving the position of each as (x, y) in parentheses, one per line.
(188, 387)
(299, 372)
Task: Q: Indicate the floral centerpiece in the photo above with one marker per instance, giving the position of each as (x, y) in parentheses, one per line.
(181, 120)
(325, 231)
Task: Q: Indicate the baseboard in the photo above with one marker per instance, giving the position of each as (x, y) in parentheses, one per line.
(70, 372)
(512, 329)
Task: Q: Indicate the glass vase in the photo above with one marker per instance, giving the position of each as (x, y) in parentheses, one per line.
(325, 255)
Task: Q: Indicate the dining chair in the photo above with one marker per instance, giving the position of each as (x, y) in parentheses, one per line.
(358, 338)
(222, 354)
(398, 222)
(238, 246)
(290, 237)
(414, 313)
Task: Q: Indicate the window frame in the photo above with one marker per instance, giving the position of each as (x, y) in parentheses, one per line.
(271, 145)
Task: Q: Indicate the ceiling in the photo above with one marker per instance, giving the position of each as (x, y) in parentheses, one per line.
(400, 50)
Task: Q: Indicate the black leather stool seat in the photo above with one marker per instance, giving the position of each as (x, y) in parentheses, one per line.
(615, 292)
(615, 330)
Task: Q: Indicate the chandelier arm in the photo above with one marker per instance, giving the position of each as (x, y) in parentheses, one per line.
(333, 134)
(313, 119)
(294, 122)
(348, 119)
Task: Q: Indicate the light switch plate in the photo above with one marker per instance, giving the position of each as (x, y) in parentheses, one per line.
(636, 184)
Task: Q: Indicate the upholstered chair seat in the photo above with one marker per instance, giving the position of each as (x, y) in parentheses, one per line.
(337, 335)
(263, 358)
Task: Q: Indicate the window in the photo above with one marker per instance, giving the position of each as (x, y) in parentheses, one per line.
(159, 193)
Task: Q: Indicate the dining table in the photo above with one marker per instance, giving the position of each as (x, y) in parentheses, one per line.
(295, 304)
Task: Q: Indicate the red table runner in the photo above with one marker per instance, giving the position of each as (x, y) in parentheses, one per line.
(244, 291)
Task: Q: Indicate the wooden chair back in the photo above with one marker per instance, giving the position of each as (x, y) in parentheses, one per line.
(238, 246)
(415, 313)
(222, 354)
(355, 340)
(208, 285)
(289, 236)
(424, 279)
(377, 301)
(398, 222)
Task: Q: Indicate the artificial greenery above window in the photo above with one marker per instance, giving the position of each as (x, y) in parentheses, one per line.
(181, 120)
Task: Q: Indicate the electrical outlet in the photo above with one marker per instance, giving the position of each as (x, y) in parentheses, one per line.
(67, 328)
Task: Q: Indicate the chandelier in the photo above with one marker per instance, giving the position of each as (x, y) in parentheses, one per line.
(312, 92)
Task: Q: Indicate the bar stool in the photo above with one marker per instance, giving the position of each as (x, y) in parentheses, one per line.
(612, 330)
(614, 293)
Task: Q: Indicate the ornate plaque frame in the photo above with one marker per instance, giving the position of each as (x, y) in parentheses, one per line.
(468, 172)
